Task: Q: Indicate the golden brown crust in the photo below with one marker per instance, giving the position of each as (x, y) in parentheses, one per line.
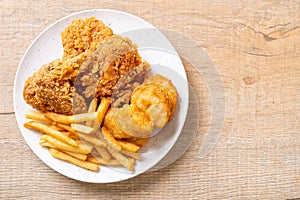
(83, 35)
(104, 66)
(63, 86)
(111, 125)
(51, 89)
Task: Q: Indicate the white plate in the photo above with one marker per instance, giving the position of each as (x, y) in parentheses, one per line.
(153, 46)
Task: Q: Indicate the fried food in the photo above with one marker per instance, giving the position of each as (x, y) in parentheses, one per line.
(101, 110)
(131, 154)
(92, 108)
(127, 83)
(99, 160)
(110, 140)
(167, 87)
(152, 104)
(128, 146)
(138, 141)
(51, 87)
(50, 131)
(126, 162)
(60, 118)
(133, 122)
(65, 86)
(82, 128)
(34, 115)
(66, 127)
(84, 164)
(83, 149)
(91, 139)
(150, 99)
(103, 153)
(104, 66)
(110, 124)
(106, 72)
(83, 35)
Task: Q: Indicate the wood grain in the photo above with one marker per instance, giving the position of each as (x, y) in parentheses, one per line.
(256, 48)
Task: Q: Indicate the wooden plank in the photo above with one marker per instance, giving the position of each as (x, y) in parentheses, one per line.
(256, 48)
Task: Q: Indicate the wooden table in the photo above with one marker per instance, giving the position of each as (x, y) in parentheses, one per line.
(256, 49)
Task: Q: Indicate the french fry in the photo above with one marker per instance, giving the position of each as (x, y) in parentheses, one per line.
(131, 154)
(85, 145)
(34, 115)
(91, 139)
(73, 136)
(127, 146)
(55, 127)
(118, 145)
(76, 155)
(69, 119)
(54, 133)
(92, 108)
(65, 127)
(82, 128)
(138, 141)
(101, 111)
(44, 143)
(100, 161)
(94, 152)
(84, 164)
(103, 153)
(92, 159)
(77, 139)
(65, 147)
(110, 140)
(126, 162)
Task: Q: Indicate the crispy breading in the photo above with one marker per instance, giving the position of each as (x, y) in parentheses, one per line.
(51, 89)
(64, 86)
(83, 35)
(126, 84)
(104, 66)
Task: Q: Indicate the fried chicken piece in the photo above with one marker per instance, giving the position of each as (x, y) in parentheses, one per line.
(83, 35)
(104, 66)
(65, 86)
(51, 87)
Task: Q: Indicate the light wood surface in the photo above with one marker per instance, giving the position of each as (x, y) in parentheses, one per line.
(256, 48)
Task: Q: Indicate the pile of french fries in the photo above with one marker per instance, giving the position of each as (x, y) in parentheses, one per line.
(78, 139)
